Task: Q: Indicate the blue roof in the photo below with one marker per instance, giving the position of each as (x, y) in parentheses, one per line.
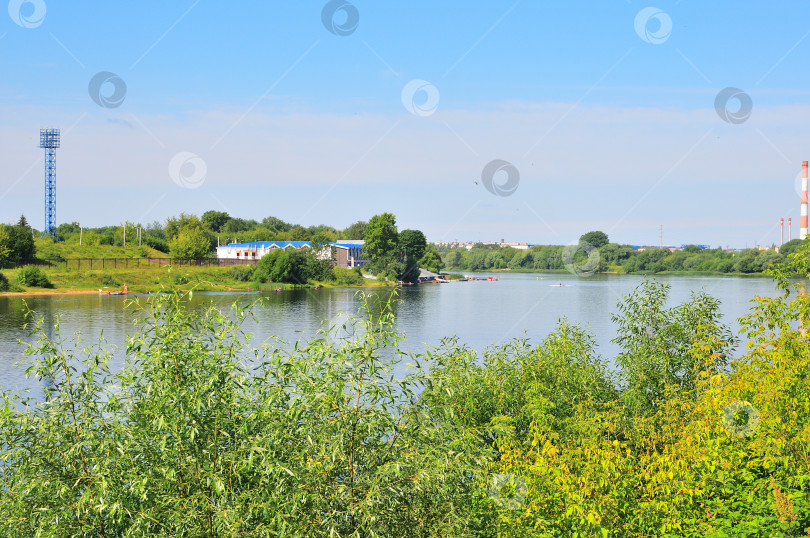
(285, 244)
(268, 244)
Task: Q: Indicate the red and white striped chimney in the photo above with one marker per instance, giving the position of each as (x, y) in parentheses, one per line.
(803, 223)
(781, 232)
(790, 228)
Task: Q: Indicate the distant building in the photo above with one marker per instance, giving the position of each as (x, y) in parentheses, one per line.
(342, 253)
(470, 244)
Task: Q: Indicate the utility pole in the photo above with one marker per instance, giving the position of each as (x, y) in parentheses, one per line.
(125, 233)
(81, 233)
(661, 236)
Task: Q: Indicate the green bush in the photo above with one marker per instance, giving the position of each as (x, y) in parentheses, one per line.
(108, 280)
(33, 277)
(284, 265)
(242, 273)
(347, 277)
(321, 440)
(3, 282)
(180, 279)
(156, 243)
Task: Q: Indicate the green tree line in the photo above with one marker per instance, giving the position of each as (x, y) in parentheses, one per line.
(612, 257)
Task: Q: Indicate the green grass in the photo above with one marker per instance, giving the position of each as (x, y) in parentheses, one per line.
(152, 278)
(47, 249)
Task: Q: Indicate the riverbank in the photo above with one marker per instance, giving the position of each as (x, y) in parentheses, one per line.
(151, 279)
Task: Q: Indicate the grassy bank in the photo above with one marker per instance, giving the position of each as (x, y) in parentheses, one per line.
(149, 278)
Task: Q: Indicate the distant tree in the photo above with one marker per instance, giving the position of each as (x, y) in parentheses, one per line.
(5, 245)
(746, 261)
(20, 240)
(452, 258)
(412, 245)
(276, 225)
(284, 265)
(299, 233)
(613, 253)
(190, 243)
(767, 258)
(65, 230)
(175, 224)
(215, 219)
(431, 260)
(381, 245)
(595, 239)
(692, 249)
(792, 245)
(327, 231)
(356, 230)
(155, 230)
(234, 225)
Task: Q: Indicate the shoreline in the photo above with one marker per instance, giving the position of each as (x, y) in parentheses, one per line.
(71, 291)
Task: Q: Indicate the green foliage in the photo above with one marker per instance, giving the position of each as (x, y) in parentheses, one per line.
(432, 260)
(242, 273)
(20, 241)
(190, 244)
(658, 355)
(793, 245)
(215, 219)
(412, 245)
(3, 282)
(320, 440)
(594, 239)
(381, 246)
(5, 245)
(612, 257)
(355, 231)
(284, 265)
(108, 280)
(156, 243)
(32, 276)
(347, 277)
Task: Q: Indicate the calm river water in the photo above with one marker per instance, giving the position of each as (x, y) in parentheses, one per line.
(479, 313)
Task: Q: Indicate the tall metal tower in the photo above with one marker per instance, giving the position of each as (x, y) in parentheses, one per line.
(49, 139)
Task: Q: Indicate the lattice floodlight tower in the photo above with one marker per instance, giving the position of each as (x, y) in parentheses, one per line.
(49, 140)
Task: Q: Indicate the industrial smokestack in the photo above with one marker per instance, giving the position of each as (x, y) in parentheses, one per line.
(803, 222)
(790, 228)
(781, 232)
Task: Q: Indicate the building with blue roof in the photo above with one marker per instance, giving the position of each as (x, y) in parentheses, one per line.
(343, 253)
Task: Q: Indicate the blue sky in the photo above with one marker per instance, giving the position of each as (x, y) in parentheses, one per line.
(257, 109)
